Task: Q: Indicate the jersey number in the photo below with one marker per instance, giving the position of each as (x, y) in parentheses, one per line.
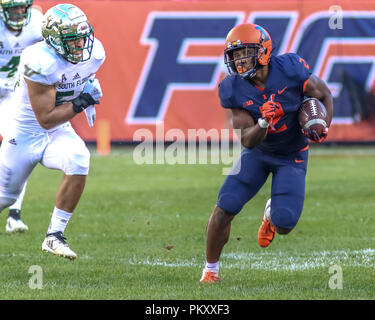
(304, 63)
(11, 66)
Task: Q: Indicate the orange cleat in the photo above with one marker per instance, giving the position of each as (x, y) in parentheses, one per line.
(266, 231)
(210, 276)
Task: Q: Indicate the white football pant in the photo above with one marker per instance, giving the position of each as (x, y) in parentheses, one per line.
(20, 152)
(5, 110)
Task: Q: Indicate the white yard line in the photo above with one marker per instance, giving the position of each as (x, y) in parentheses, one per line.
(276, 261)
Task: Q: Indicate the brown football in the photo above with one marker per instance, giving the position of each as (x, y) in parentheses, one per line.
(313, 115)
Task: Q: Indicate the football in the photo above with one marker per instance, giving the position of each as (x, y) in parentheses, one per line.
(313, 115)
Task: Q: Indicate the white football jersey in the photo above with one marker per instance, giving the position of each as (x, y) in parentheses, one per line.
(12, 45)
(42, 64)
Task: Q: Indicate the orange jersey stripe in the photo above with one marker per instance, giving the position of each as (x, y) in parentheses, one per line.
(305, 148)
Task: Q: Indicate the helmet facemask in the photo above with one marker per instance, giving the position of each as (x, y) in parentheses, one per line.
(78, 54)
(15, 21)
(252, 52)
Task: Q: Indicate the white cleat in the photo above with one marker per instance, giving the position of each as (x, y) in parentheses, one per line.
(55, 243)
(15, 225)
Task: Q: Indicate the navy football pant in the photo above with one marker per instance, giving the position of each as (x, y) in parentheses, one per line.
(250, 173)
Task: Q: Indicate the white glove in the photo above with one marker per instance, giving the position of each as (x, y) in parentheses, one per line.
(92, 87)
(90, 115)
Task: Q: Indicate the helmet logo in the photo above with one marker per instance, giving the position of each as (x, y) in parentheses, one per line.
(82, 28)
(263, 35)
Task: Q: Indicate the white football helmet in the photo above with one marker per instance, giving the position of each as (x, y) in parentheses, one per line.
(64, 23)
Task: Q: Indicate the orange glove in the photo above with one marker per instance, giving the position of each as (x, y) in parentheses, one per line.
(268, 111)
(314, 137)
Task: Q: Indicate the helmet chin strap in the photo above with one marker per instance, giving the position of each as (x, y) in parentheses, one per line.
(249, 74)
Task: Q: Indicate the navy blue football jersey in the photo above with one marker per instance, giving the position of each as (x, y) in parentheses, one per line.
(285, 83)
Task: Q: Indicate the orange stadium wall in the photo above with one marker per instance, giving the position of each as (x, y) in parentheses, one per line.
(165, 60)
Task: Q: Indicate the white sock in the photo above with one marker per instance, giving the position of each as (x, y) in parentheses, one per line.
(212, 266)
(59, 220)
(268, 213)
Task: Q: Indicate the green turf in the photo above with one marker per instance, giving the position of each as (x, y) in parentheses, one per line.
(139, 234)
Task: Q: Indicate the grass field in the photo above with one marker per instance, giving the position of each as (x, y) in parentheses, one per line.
(139, 234)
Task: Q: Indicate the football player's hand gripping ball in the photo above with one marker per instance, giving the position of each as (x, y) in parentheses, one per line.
(313, 135)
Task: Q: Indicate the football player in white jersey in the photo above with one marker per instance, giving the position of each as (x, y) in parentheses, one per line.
(20, 26)
(57, 81)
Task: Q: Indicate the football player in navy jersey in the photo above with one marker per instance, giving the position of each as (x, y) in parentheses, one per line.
(264, 94)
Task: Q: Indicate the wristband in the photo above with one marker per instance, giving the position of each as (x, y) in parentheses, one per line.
(263, 123)
(82, 102)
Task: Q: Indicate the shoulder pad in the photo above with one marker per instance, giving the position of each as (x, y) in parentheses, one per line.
(2, 26)
(35, 25)
(36, 16)
(40, 59)
(98, 51)
(288, 63)
(226, 95)
(292, 57)
(294, 67)
(226, 87)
